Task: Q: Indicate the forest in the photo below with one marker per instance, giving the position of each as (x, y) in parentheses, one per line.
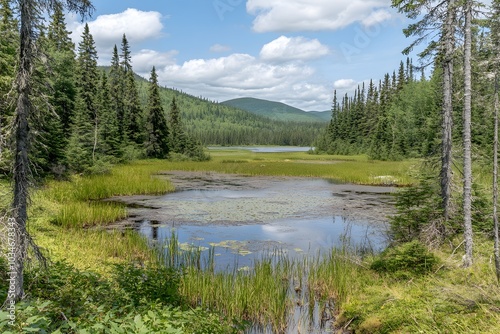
(74, 135)
(89, 116)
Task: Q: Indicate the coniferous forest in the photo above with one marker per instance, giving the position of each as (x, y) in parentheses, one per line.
(82, 145)
(89, 117)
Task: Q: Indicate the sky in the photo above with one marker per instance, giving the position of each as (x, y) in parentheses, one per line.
(292, 51)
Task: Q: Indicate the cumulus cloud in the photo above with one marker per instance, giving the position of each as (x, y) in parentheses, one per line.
(315, 15)
(108, 30)
(220, 48)
(376, 17)
(295, 48)
(239, 75)
(145, 59)
(345, 84)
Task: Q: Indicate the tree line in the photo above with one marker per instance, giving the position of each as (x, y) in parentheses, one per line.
(451, 116)
(86, 117)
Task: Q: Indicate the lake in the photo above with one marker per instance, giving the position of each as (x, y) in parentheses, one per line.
(264, 149)
(244, 218)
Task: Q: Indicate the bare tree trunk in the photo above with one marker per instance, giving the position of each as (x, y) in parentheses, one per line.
(467, 260)
(447, 117)
(22, 132)
(95, 139)
(495, 186)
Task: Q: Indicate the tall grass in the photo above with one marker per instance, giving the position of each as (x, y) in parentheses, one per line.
(78, 199)
(273, 290)
(357, 169)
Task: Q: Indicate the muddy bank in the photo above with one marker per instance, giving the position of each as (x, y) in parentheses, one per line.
(209, 198)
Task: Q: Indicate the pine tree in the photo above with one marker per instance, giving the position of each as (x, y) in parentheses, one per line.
(29, 11)
(8, 45)
(117, 88)
(157, 145)
(178, 139)
(126, 58)
(467, 185)
(109, 137)
(495, 41)
(62, 63)
(132, 111)
(432, 15)
(83, 141)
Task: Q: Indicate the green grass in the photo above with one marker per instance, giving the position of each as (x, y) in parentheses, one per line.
(451, 300)
(352, 169)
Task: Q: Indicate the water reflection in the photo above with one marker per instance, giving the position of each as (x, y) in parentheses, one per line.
(242, 244)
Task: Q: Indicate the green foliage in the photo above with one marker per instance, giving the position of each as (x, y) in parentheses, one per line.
(418, 207)
(157, 145)
(8, 57)
(140, 300)
(276, 111)
(410, 258)
(394, 121)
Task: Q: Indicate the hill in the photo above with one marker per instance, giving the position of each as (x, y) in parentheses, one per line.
(220, 124)
(277, 110)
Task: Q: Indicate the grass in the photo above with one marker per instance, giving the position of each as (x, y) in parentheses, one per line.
(352, 169)
(451, 300)
(63, 212)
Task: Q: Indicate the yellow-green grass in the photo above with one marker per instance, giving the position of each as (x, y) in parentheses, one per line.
(353, 169)
(451, 300)
(78, 200)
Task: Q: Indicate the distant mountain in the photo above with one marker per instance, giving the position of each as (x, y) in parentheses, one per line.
(218, 124)
(277, 110)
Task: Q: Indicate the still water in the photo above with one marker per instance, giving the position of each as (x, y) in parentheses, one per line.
(243, 222)
(264, 149)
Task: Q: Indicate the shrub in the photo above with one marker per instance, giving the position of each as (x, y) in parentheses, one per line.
(410, 258)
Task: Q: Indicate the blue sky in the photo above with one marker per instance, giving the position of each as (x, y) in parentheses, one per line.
(292, 51)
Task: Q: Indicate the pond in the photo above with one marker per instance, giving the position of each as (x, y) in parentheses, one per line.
(264, 149)
(244, 218)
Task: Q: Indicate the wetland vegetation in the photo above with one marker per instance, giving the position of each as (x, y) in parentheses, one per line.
(340, 288)
(81, 143)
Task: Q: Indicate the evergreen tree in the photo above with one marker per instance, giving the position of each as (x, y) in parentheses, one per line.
(157, 145)
(117, 88)
(29, 12)
(83, 141)
(62, 64)
(132, 111)
(8, 43)
(178, 139)
(109, 137)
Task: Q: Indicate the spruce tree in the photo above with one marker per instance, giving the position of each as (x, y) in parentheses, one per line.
(178, 139)
(157, 145)
(8, 44)
(29, 12)
(62, 64)
(84, 137)
(109, 137)
(117, 88)
(132, 111)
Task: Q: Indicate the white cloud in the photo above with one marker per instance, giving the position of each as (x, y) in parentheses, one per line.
(314, 15)
(108, 30)
(376, 17)
(145, 59)
(241, 75)
(345, 84)
(295, 48)
(220, 48)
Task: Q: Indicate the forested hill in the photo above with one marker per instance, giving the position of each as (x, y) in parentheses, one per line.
(218, 124)
(277, 110)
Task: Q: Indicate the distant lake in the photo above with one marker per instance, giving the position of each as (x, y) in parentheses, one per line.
(264, 149)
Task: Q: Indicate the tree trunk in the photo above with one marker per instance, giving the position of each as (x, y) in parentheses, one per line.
(21, 160)
(447, 119)
(467, 260)
(495, 185)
